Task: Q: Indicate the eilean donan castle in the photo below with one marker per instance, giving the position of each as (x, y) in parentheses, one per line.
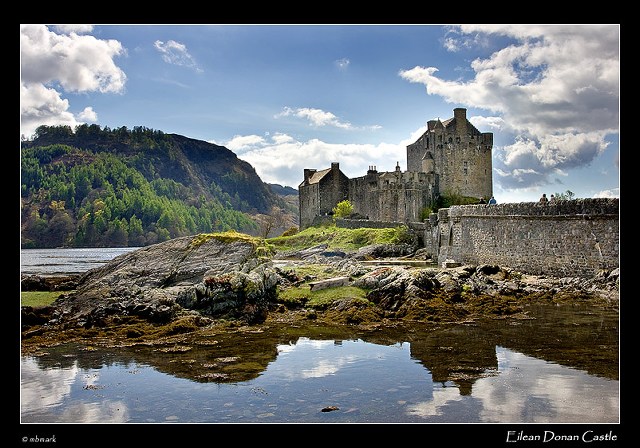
(452, 156)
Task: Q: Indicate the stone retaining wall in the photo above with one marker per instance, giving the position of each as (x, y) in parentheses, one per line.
(565, 238)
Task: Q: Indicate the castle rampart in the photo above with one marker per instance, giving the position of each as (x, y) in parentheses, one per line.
(572, 238)
(567, 238)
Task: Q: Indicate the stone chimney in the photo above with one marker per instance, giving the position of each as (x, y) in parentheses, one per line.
(308, 173)
(335, 171)
(460, 115)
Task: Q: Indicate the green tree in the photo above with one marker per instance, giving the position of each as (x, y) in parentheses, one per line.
(90, 197)
(118, 235)
(60, 229)
(343, 209)
(450, 198)
(136, 232)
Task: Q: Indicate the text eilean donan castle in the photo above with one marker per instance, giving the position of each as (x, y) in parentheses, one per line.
(451, 157)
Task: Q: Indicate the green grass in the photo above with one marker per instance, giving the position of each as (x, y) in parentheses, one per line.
(302, 294)
(38, 298)
(262, 247)
(317, 271)
(339, 238)
(321, 298)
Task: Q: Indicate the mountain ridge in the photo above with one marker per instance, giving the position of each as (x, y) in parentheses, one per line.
(73, 180)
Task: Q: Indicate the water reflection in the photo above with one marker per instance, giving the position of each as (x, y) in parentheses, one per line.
(43, 388)
(529, 390)
(458, 373)
(53, 394)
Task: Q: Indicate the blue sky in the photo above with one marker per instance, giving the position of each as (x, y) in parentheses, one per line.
(289, 97)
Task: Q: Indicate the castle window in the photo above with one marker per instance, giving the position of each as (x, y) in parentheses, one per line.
(465, 171)
(450, 139)
(457, 139)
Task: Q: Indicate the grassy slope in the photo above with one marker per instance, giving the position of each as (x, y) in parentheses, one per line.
(338, 238)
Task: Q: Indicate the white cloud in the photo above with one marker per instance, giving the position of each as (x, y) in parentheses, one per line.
(40, 105)
(88, 114)
(530, 378)
(44, 390)
(488, 124)
(282, 159)
(41, 389)
(50, 63)
(176, 53)
(280, 138)
(613, 193)
(554, 92)
(319, 118)
(68, 29)
(456, 41)
(316, 117)
(79, 63)
(532, 162)
(243, 143)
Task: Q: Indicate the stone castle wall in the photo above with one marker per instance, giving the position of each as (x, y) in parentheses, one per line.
(334, 188)
(391, 196)
(309, 204)
(566, 238)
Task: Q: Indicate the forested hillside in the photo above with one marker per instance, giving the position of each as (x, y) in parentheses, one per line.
(95, 187)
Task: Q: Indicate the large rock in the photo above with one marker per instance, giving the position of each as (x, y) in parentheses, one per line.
(217, 275)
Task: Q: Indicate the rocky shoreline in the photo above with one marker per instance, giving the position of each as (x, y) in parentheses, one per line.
(192, 284)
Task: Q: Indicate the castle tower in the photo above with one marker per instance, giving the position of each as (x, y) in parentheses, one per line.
(457, 153)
